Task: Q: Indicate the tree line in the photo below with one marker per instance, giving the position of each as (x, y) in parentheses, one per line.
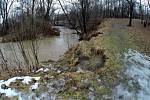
(80, 14)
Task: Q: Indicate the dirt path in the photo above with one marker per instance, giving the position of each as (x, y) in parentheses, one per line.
(136, 37)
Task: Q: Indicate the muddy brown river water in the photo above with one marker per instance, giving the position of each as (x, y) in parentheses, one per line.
(48, 48)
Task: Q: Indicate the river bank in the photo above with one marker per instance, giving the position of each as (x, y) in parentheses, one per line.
(90, 70)
(15, 37)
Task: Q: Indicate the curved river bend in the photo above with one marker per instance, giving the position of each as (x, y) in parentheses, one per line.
(48, 48)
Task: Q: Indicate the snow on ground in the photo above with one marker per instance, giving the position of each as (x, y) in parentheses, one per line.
(35, 86)
(24, 79)
(42, 70)
(138, 73)
(12, 92)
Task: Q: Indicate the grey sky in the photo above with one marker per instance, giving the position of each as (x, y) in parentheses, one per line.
(57, 5)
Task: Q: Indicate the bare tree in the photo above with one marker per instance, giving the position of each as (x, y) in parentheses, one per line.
(131, 7)
(48, 7)
(5, 6)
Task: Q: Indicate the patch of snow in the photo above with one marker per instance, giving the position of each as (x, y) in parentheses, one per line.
(46, 70)
(12, 92)
(58, 71)
(42, 70)
(51, 77)
(35, 86)
(91, 96)
(11, 80)
(79, 70)
(51, 65)
(54, 69)
(28, 79)
(137, 70)
(8, 92)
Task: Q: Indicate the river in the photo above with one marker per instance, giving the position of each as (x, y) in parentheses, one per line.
(48, 48)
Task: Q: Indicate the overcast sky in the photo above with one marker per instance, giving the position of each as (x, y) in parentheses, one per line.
(64, 2)
(67, 2)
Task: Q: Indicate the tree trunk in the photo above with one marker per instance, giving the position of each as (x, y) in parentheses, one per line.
(131, 14)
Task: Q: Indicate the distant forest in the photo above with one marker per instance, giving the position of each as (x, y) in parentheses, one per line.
(37, 16)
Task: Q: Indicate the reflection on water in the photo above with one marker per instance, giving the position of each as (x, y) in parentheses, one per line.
(49, 48)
